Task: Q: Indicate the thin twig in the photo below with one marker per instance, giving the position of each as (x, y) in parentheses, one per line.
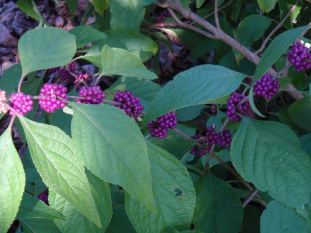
(250, 198)
(210, 14)
(275, 29)
(216, 15)
(97, 80)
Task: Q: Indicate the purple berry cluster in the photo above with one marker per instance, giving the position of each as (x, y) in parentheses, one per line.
(209, 138)
(299, 56)
(64, 73)
(21, 103)
(50, 103)
(92, 95)
(80, 78)
(213, 109)
(130, 104)
(53, 70)
(234, 99)
(266, 87)
(44, 196)
(3, 107)
(158, 128)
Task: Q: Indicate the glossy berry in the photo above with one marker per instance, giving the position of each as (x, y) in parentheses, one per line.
(299, 56)
(51, 102)
(53, 70)
(3, 107)
(71, 67)
(130, 104)
(64, 73)
(92, 95)
(266, 87)
(21, 103)
(80, 78)
(44, 196)
(158, 128)
(225, 138)
(213, 109)
(242, 109)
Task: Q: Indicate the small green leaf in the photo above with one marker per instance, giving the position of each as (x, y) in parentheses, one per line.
(218, 208)
(120, 62)
(174, 195)
(120, 222)
(30, 8)
(300, 112)
(10, 78)
(72, 5)
(12, 181)
(279, 218)
(44, 48)
(284, 81)
(199, 3)
(85, 35)
(33, 207)
(278, 166)
(100, 5)
(61, 169)
(211, 83)
(266, 5)
(305, 143)
(111, 148)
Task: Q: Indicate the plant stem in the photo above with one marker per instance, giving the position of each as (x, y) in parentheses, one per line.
(250, 198)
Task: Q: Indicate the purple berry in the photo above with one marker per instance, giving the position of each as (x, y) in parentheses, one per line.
(44, 196)
(213, 109)
(21, 103)
(299, 56)
(130, 104)
(82, 78)
(53, 70)
(266, 87)
(50, 103)
(158, 128)
(92, 95)
(64, 74)
(234, 99)
(71, 67)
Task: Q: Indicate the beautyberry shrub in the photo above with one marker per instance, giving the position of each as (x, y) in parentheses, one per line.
(92, 95)
(299, 56)
(50, 103)
(159, 127)
(21, 103)
(234, 99)
(266, 87)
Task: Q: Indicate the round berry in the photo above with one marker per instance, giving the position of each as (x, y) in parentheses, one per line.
(80, 78)
(3, 107)
(233, 109)
(53, 70)
(92, 95)
(50, 103)
(64, 74)
(158, 128)
(299, 56)
(21, 103)
(266, 87)
(130, 104)
(71, 67)
(44, 196)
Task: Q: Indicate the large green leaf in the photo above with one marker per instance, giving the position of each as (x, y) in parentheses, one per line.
(198, 85)
(300, 112)
(305, 141)
(77, 222)
(85, 35)
(279, 218)
(116, 61)
(120, 222)
(218, 208)
(12, 181)
(62, 120)
(111, 145)
(174, 195)
(266, 5)
(268, 154)
(275, 49)
(44, 48)
(39, 226)
(61, 169)
(10, 78)
(31, 9)
(33, 207)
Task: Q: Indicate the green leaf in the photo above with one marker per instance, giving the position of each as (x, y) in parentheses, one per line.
(126, 14)
(61, 169)
(224, 155)
(275, 49)
(174, 195)
(189, 113)
(305, 143)
(300, 113)
(266, 5)
(72, 5)
(110, 144)
(12, 181)
(251, 219)
(199, 3)
(39, 226)
(218, 208)
(61, 120)
(120, 62)
(100, 5)
(120, 222)
(33, 207)
(211, 83)
(202, 48)
(278, 218)
(31, 9)
(278, 166)
(10, 78)
(44, 48)
(284, 81)
(85, 35)
(77, 222)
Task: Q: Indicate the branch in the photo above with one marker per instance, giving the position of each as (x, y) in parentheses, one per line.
(250, 198)
(275, 29)
(216, 15)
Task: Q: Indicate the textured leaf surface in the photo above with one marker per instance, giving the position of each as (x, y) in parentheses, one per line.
(275, 49)
(174, 195)
(218, 208)
(279, 218)
(278, 166)
(110, 144)
(33, 207)
(44, 48)
(85, 35)
(300, 112)
(77, 222)
(266, 5)
(121, 62)
(61, 169)
(12, 181)
(10, 78)
(211, 82)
